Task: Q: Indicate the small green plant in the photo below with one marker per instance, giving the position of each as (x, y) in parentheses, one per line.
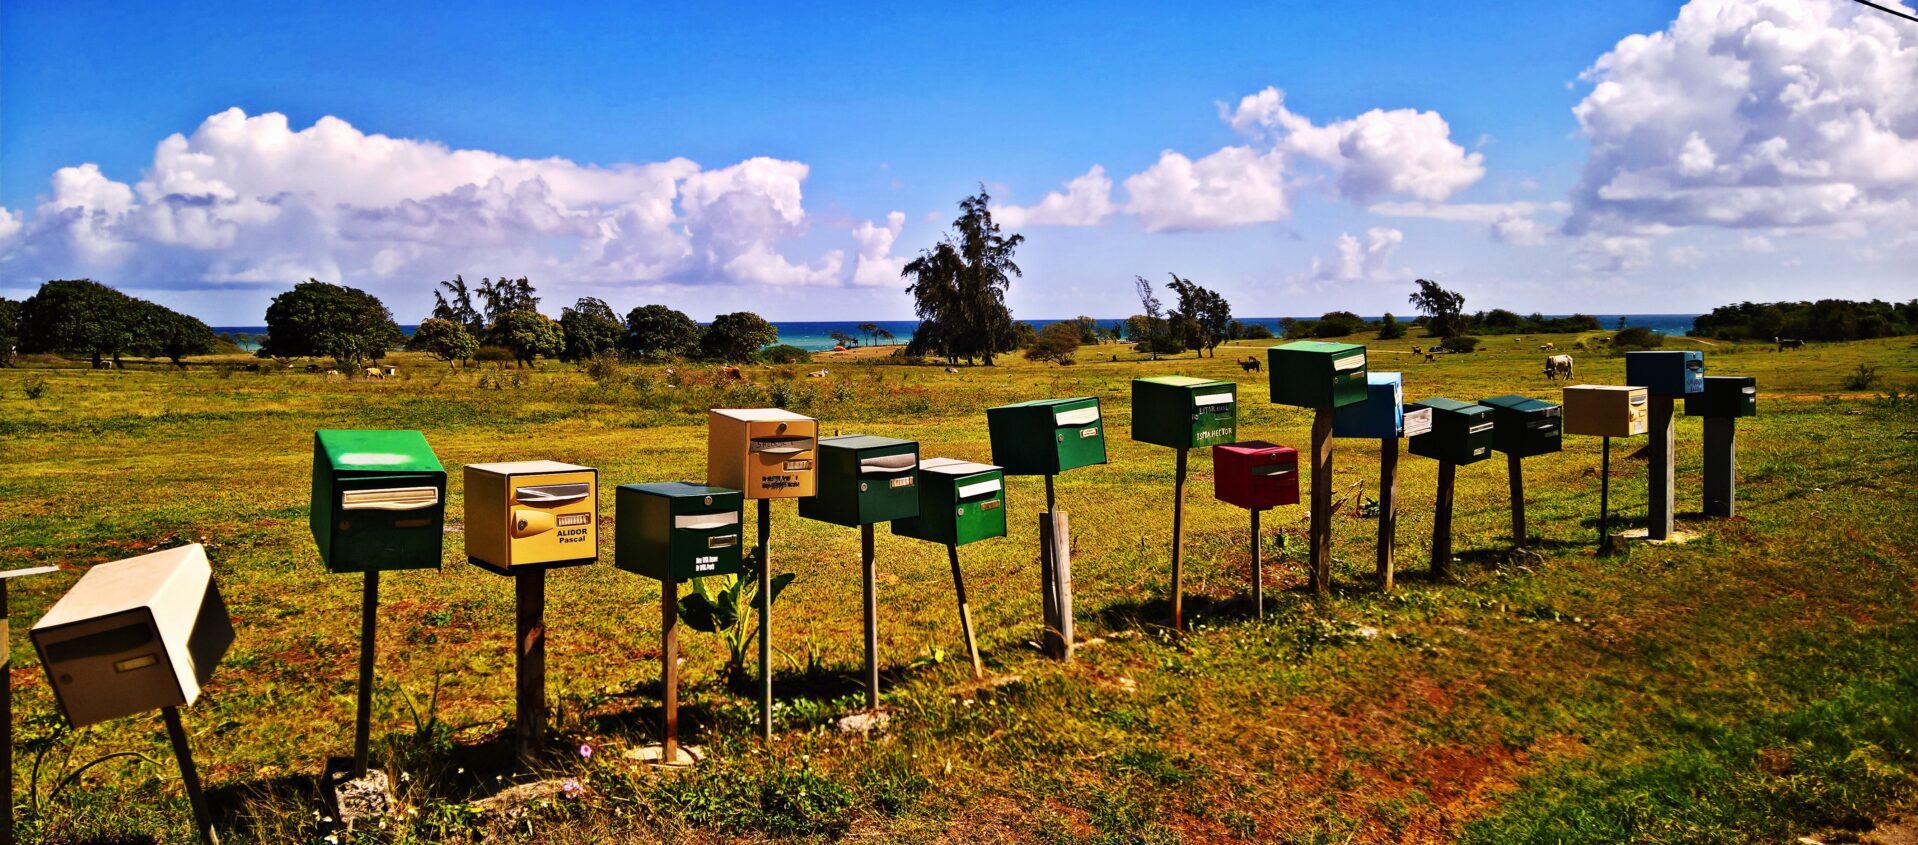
(727, 605)
(35, 388)
(1864, 378)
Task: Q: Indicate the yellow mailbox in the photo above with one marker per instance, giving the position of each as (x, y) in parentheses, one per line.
(531, 515)
(765, 453)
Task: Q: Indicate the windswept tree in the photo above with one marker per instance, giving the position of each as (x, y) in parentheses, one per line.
(737, 336)
(9, 330)
(453, 301)
(506, 296)
(316, 319)
(654, 331)
(589, 328)
(1150, 328)
(77, 317)
(1444, 310)
(444, 339)
(157, 331)
(1203, 314)
(870, 332)
(959, 287)
(882, 334)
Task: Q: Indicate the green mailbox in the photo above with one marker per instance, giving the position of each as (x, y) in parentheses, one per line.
(1047, 436)
(676, 531)
(1183, 412)
(960, 502)
(864, 480)
(1317, 374)
(1523, 426)
(379, 500)
(1461, 432)
(1724, 396)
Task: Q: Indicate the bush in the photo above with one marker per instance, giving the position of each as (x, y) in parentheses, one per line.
(1391, 328)
(1637, 337)
(1057, 343)
(35, 388)
(785, 353)
(603, 367)
(1256, 331)
(1863, 378)
(493, 355)
(1462, 343)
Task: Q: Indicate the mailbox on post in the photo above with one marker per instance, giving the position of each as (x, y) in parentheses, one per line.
(379, 500)
(1666, 373)
(1666, 376)
(1380, 417)
(765, 453)
(1604, 410)
(960, 502)
(676, 531)
(1255, 475)
(1723, 401)
(864, 480)
(1316, 374)
(1461, 432)
(1047, 436)
(1524, 427)
(1724, 396)
(1183, 412)
(531, 515)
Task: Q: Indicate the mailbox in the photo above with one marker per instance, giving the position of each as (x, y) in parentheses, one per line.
(864, 480)
(1523, 426)
(676, 531)
(134, 636)
(1255, 475)
(1316, 374)
(765, 453)
(531, 515)
(379, 501)
(1461, 433)
(1676, 373)
(1183, 412)
(1381, 416)
(1605, 410)
(1724, 396)
(1047, 436)
(959, 502)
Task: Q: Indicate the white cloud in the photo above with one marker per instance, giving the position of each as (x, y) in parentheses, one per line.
(1519, 230)
(1513, 223)
(1403, 151)
(1087, 201)
(1753, 113)
(1232, 187)
(1612, 254)
(249, 199)
(1354, 260)
(1757, 243)
(876, 265)
(1684, 255)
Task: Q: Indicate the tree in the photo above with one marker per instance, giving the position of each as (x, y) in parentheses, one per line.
(1152, 327)
(883, 334)
(736, 336)
(528, 334)
(1088, 329)
(1443, 309)
(1056, 342)
(9, 330)
(588, 328)
(445, 339)
(1337, 324)
(158, 331)
(870, 331)
(505, 297)
(959, 287)
(655, 330)
(76, 317)
(843, 339)
(456, 304)
(316, 319)
(1390, 328)
(1203, 315)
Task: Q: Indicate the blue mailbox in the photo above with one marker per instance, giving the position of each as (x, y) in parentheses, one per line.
(1380, 416)
(1661, 373)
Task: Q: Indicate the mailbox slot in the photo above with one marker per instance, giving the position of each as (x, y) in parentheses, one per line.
(1417, 421)
(781, 445)
(979, 489)
(1079, 416)
(396, 499)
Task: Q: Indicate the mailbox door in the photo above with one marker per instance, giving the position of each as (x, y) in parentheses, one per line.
(1078, 434)
(1542, 433)
(109, 667)
(1275, 479)
(781, 459)
(1637, 413)
(1214, 416)
(887, 484)
(978, 507)
(1474, 437)
(552, 518)
(706, 539)
(1348, 377)
(387, 523)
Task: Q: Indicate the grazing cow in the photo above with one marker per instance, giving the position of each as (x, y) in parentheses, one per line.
(1547, 347)
(953, 370)
(729, 373)
(1428, 358)
(374, 373)
(1250, 364)
(816, 374)
(1787, 343)
(1558, 365)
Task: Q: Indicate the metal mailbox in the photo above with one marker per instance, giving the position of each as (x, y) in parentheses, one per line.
(960, 502)
(1047, 436)
(765, 453)
(1317, 374)
(1674, 373)
(1523, 426)
(1606, 410)
(1183, 412)
(1255, 475)
(1381, 416)
(676, 531)
(134, 635)
(864, 480)
(1724, 396)
(1461, 432)
(531, 515)
(379, 500)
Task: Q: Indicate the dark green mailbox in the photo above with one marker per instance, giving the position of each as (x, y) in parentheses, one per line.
(1183, 412)
(1317, 374)
(379, 500)
(675, 531)
(1523, 426)
(960, 502)
(864, 480)
(1724, 396)
(1461, 432)
(1047, 436)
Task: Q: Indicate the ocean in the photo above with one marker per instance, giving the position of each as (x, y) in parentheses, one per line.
(817, 336)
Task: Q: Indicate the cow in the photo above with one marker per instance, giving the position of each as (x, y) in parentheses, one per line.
(953, 370)
(816, 374)
(1250, 364)
(1547, 347)
(1787, 343)
(1558, 365)
(374, 373)
(729, 373)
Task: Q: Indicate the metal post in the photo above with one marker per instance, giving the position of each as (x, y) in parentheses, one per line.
(765, 620)
(1388, 507)
(870, 569)
(202, 817)
(529, 594)
(1721, 466)
(1605, 498)
(369, 627)
(1512, 469)
(1442, 521)
(1321, 540)
(669, 670)
(1659, 475)
(1178, 538)
(965, 612)
(1258, 570)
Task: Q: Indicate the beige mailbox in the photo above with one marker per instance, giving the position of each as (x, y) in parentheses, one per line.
(134, 635)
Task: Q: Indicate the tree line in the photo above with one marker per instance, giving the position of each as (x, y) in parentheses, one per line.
(81, 318)
(1826, 319)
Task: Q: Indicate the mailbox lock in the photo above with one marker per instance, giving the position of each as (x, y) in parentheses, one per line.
(709, 500)
(862, 486)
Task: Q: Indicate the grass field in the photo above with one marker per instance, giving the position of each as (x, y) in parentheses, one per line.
(1755, 684)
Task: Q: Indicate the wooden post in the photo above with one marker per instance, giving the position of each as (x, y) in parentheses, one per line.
(6, 717)
(202, 817)
(1442, 522)
(669, 670)
(1605, 498)
(871, 572)
(965, 612)
(1055, 579)
(1519, 537)
(1388, 508)
(765, 620)
(1721, 466)
(1258, 570)
(529, 589)
(1321, 540)
(369, 626)
(1659, 475)
(1178, 538)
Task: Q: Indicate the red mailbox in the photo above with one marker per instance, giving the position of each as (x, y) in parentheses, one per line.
(1255, 475)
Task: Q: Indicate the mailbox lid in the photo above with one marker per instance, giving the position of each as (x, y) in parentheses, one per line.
(1184, 412)
(1380, 416)
(352, 453)
(1317, 374)
(1724, 396)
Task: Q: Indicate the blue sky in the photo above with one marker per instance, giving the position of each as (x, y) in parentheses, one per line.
(800, 133)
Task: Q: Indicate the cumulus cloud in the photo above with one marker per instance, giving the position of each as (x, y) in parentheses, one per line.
(1753, 113)
(1514, 223)
(1232, 187)
(250, 199)
(1612, 254)
(876, 265)
(1401, 152)
(1355, 260)
(1087, 201)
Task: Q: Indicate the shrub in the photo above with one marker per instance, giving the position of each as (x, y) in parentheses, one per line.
(35, 388)
(1256, 331)
(1057, 343)
(1637, 337)
(493, 355)
(785, 353)
(603, 367)
(1462, 343)
(1391, 328)
(1863, 378)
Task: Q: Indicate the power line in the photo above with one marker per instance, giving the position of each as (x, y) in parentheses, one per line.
(1888, 10)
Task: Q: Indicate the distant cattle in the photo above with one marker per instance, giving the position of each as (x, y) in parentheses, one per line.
(1788, 343)
(1547, 347)
(816, 374)
(729, 373)
(1428, 358)
(1558, 365)
(1250, 364)
(374, 372)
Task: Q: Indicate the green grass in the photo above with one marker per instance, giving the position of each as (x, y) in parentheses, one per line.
(1752, 685)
